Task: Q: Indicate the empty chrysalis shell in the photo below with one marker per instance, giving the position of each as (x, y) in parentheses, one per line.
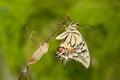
(39, 53)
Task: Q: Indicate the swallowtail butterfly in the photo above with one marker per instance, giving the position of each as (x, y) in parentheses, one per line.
(74, 46)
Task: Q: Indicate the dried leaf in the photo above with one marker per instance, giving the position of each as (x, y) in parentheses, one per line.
(39, 53)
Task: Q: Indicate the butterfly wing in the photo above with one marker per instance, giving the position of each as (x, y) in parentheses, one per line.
(73, 40)
(62, 35)
(74, 47)
(81, 53)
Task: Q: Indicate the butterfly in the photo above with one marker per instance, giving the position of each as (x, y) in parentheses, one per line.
(73, 46)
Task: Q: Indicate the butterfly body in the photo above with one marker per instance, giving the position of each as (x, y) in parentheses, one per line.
(73, 47)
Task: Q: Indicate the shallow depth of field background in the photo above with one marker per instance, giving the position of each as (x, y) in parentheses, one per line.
(43, 16)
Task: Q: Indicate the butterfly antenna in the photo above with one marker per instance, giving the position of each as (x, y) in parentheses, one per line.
(87, 25)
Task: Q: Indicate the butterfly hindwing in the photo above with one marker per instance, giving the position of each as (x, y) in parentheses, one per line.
(82, 54)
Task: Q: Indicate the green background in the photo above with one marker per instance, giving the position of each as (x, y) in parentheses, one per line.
(43, 16)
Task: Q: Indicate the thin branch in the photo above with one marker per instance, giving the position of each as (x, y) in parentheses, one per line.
(59, 26)
(20, 77)
(25, 70)
(30, 34)
(41, 50)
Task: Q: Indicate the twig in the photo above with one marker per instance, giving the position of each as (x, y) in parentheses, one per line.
(25, 70)
(20, 77)
(59, 26)
(40, 51)
(30, 34)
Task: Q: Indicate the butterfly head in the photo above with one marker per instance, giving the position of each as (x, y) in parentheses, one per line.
(73, 25)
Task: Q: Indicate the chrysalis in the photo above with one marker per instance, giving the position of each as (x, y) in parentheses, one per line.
(39, 53)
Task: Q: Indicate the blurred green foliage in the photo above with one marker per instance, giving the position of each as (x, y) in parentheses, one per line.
(42, 16)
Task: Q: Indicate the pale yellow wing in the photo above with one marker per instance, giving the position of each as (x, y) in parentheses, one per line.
(62, 35)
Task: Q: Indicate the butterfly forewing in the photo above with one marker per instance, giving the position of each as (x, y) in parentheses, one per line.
(62, 36)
